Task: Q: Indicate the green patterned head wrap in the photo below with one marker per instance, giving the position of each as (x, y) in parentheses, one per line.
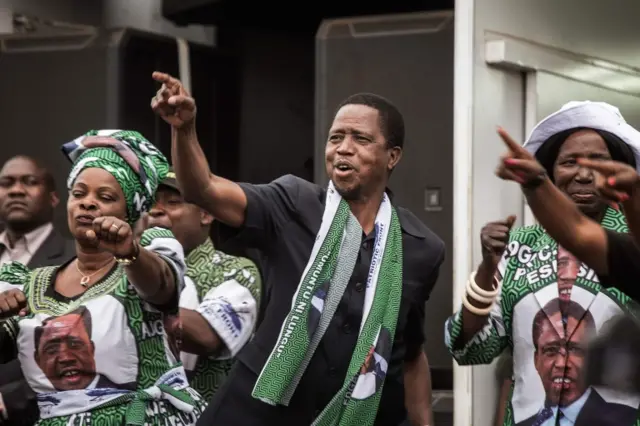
(134, 162)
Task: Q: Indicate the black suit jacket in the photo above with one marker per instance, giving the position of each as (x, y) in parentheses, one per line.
(282, 221)
(19, 399)
(55, 250)
(596, 411)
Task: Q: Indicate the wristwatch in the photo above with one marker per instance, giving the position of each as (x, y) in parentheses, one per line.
(129, 259)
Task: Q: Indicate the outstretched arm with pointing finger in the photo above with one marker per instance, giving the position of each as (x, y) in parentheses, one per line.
(224, 199)
(619, 182)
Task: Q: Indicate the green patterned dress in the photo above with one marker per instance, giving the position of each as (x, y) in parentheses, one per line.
(546, 323)
(225, 290)
(103, 357)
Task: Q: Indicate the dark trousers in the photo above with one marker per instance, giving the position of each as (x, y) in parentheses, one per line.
(233, 405)
(19, 400)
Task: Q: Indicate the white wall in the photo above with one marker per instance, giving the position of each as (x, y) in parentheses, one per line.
(607, 30)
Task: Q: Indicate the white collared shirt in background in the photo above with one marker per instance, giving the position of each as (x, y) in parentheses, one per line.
(24, 249)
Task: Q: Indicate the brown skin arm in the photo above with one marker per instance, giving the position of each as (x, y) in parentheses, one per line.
(152, 277)
(224, 199)
(417, 391)
(472, 323)
(621, 183)
(632, 214)
(197, 335)
(494, 238)
(577, 233)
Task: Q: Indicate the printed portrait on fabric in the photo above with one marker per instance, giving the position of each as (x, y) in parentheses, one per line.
(551, 329)
(374, 369)
(60, 353)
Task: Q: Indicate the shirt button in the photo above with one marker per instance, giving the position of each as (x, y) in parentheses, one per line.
(346, 328)
(332, 373)
(359, 287)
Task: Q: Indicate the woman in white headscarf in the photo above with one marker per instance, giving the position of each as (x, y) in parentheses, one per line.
(535, 297)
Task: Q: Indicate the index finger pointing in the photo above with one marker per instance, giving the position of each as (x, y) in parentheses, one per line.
(604, 167)
(161, 77)
(514, 146)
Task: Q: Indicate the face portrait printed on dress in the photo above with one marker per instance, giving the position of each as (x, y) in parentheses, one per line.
(64, 350)
(568, 267)
(559, 356)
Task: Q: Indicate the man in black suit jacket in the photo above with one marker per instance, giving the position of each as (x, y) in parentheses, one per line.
(282, 219)
(27, 201)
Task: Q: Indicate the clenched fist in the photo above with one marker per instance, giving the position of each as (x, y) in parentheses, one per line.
(172, 102)
(13, 302)
(494, 238)
(113, 235)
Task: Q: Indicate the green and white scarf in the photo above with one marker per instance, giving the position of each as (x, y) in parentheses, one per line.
(321, 287)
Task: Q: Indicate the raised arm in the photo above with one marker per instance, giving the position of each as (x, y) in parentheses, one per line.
(476, 333)
(621, 183)
(224, 199)
(154, 266)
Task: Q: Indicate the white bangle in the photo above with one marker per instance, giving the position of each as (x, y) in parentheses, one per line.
(482, 292)
(478, 298)
(477, 311)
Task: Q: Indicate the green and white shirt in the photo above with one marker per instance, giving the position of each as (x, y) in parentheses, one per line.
(546, 319)
(226, 291)
(102, 357)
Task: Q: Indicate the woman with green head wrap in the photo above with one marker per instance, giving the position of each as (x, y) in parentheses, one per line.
(89, 333)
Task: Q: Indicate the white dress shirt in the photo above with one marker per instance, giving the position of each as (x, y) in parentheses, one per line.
(24, 249)
(570, 412)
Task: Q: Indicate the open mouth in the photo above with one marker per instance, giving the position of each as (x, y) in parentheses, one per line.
(72, 377)
(562, 382)
(70, 373)
(343, 168)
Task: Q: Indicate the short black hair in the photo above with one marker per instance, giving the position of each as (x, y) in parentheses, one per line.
(571, 308)
(81, 311)
(391, 121)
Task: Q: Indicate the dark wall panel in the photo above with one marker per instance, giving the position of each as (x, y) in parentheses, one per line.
(49, 98)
